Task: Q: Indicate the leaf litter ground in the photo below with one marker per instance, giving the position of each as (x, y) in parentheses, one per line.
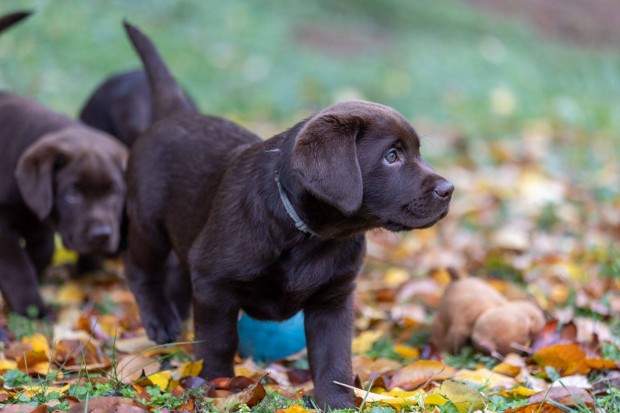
(528, 229)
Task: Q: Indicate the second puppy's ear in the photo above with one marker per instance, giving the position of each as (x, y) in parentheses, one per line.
(35, 169)
(324, 159)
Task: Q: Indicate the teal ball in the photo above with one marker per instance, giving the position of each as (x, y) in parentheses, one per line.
(267, 341)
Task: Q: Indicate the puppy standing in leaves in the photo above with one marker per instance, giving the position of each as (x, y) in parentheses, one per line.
(271, 227)
(473, 312)
(55, 175)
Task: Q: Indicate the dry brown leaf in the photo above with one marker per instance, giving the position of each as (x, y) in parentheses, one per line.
(419, 373)
(131, 367)
(566, 395)
(20, 408)
(537, 408)
(109, 405)
(250, 397)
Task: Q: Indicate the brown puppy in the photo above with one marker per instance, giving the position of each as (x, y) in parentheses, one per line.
(55, 175)
(271, 227)
(499, 329)
(461, 304)
(121, 106)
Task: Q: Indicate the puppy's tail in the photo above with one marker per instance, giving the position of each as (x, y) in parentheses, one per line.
(10, 19)
(168, 96)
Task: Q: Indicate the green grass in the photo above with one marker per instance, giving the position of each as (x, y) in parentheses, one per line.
(437, 60)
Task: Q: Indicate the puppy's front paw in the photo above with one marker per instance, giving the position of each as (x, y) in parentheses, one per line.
(162, 326)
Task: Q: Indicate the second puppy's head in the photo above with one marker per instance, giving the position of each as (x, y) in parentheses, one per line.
(75, 177)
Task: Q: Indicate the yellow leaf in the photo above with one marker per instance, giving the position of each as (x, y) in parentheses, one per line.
(161, 379)
(364, 341)
(507, 368)
(63, 255)
(395, 276)
(38, 352)
(295, 408)
(519, 391)
(406, 351)
(396, 398)
(190, 368)
(70, 293)
(487, 378)
(435, 399)
(39, 343)
(7, 365)
(463, 396)
(34, 390)
(42, 368)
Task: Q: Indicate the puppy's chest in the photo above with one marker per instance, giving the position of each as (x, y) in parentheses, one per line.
(282, 289)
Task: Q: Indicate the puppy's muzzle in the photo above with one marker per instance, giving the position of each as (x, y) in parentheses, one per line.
(99, 236)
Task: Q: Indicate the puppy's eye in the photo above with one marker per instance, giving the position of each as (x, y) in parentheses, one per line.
(72, 195)
(391, 156)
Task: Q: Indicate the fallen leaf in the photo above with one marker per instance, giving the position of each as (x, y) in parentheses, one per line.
(537, 408)
(364, 341)
(250, 397)
(565, 395)
(109, 405)
(130, 368)
(567, 359)
(485, 378)
(420, 372)
(519, 391)
(463, 396)
(295, 408)
(20, 408)
(396, 397)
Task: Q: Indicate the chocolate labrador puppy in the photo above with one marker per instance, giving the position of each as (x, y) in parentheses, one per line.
(55, 175)
(121, 106)
(271, 227)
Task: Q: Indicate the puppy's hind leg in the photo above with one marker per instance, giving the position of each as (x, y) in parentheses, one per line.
(178, 285)
(145, 269)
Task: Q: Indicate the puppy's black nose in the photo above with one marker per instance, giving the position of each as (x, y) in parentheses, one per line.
(99, 233)
(444, 189)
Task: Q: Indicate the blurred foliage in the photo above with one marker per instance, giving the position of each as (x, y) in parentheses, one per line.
(273, 60)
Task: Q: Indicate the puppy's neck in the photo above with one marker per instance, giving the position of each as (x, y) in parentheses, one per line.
(290, 209)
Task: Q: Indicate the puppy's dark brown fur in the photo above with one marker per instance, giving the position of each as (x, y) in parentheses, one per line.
(10, 19)
(208, 189)
(121, 106)
(55, 175)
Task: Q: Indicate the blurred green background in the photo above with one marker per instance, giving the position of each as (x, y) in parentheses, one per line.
(452, 64)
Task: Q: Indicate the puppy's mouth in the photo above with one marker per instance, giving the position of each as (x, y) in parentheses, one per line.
(82, 246)
(416, 223)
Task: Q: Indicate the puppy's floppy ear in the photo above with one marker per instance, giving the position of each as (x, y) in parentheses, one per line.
(35, 169)
(324, 159)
